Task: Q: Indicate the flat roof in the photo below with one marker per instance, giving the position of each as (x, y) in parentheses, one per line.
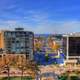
(72, 35)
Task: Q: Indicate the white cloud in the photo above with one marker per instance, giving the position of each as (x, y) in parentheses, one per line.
(36, 16)
(50, 27)
(46, 27)
(40, 23)
(58, 27)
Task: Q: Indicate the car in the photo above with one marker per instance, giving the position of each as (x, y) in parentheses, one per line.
(4, 72)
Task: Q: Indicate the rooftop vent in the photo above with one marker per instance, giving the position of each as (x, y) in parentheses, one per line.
(19, 29)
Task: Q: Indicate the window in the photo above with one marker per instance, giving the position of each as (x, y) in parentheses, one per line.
(17, 41)
(0, 56)
(13, 41)
(17, 50)
(74, 46)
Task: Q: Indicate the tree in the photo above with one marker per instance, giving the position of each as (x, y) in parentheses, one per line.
(7, 67)
(34, 68)
(22, 67)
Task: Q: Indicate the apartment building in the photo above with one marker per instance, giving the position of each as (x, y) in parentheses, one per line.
(17, 41)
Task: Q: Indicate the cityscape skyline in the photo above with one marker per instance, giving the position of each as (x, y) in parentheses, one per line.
(41, 16)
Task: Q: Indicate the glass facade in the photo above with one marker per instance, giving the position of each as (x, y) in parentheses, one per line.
(18, 41)
(74, 46)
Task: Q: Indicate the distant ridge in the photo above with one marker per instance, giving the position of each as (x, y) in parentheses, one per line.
(46, 35)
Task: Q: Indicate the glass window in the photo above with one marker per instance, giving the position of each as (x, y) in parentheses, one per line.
(74, 46)
(17, 50)
(21, 44)
(9, 34)
(17, 45)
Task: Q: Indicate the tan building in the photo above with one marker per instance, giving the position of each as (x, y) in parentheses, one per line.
(2, 39)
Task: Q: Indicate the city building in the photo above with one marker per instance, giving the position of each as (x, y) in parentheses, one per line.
(50, 42)
(71, 45)
(17, 41)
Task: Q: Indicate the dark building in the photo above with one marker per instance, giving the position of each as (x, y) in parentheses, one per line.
(71, 45)
(74, 46)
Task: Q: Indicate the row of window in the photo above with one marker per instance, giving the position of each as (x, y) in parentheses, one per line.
(21, 47)
(20, 34)
(18, 39)
(19, 50)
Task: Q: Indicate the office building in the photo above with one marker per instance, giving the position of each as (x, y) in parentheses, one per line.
(71, 45)
(17, 41)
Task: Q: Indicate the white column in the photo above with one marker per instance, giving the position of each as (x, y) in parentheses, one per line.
(31, 55)
(67, 47)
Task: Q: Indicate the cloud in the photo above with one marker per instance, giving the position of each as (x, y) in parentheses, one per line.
(43, 24)
(39, 22)
(8, 24)
(45, 27)
(59, 27)
(35, 15)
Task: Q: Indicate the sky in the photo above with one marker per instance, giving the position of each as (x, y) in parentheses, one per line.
(41, 16)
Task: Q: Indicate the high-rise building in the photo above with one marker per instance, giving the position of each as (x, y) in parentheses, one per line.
(17, 41)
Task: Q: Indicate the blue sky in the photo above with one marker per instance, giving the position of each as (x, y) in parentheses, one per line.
(41, 16)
